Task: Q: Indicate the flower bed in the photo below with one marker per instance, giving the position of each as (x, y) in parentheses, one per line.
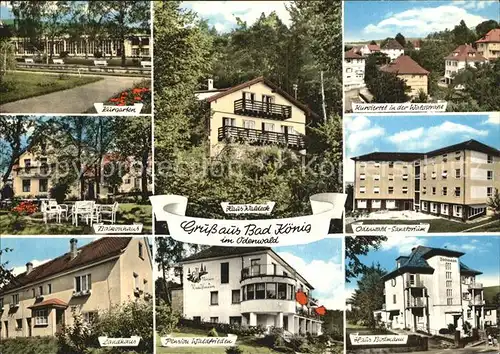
(131, 96)
(25, 208)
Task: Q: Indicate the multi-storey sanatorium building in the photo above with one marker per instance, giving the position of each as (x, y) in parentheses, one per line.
(454, 181)
(85, 280)
(248, 286)
(430, 289)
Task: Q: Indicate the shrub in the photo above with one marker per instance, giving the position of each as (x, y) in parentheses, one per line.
(25, 208)
(296, 342)
(212, 333)
(274, 338)
(444, 331)
(59, 192)
(166, 319)
(97, 54)
(63, 54)
(234, 350)
(284, 349)
(63, 76)
(451, 328)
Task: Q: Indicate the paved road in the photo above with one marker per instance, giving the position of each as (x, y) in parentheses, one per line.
(472, 350)
(75, 100)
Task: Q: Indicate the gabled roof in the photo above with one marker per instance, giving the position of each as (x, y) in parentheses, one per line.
(101, 249)
(49, 303)
(262, 79)
(472, 144)
(389, 156)
(374, 47)
(465, 52)
(392, 44)
(417, 261)
(404, 65)
(492, 36)
(353, 54)
(468, 271)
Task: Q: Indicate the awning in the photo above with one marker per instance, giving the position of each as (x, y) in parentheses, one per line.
(56, 303)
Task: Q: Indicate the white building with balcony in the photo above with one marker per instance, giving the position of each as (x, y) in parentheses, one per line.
(354, 70)
(247, 286)
(430, 289)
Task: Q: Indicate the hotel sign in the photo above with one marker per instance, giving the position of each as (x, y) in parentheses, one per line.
(249, 233)
(377, 339)
(443, 259)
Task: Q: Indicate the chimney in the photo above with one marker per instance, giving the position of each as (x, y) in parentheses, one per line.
(29, 267)
(210, 84)
(413, 249)
(73, 250)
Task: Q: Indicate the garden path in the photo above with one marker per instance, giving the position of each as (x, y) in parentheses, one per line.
(75, 100)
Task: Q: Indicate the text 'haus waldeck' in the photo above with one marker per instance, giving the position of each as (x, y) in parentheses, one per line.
(431, 289)
(453, 182)
(247, 286)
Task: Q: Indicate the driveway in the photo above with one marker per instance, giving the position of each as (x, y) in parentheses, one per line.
(75, 100)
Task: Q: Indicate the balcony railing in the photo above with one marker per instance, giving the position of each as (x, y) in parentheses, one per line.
(262, 109)
(263, 270)
(35, 171)
(308, 313)
(475, 286)
(415, 284)
(260, 137)
(476, 302)
(415, 302)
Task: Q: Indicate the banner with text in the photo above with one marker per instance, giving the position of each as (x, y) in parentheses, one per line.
(407, 107)
(262, 232)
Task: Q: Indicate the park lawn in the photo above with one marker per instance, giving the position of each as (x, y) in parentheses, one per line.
(127, 214)
(247, 344)
(25, 85)
(437, 225)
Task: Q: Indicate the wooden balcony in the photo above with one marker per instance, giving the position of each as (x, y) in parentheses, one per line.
(417, 302)
(43, 171)
(477, 286)
(260, 137)
(262, 109)
(415, 284)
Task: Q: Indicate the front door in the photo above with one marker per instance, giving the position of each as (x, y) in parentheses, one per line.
(28, 324)
(59, 320)
(407, 205)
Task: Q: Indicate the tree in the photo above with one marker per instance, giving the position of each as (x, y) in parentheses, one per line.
(486, 26)
(462, 34)
(369, 296)
(494, 203)
(400, 39)
(421, 97)
(127, 18)
(385, 41)
(373, 43)
(384, 86)
(6, 275)
(7, 54)
(359, 246)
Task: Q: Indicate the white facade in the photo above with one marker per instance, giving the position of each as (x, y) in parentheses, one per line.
(393, 54)
(429, 300)
(452, 67)
(252, 289)
(354, 73)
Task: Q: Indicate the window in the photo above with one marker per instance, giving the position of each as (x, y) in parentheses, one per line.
(377, 164)
(141, 255)
(82, 283)
(433, 190)
(444, 175)
(445, 190)
(235, 297)
(457, 191)
(27, 162)
(433, 175)
(424, 190)
(260, 291)
(33, 293)
(19, 324)
(286, 129)
(490, 175)
(391, 177)
(448, 275)
(405, 176)
(214, 319)
(90, 316)
(390, 190)
(26, 185)
(224, 273)
(457, 155)
(490, 159)
(271, 290)
(197, 319)
(376, 190)
(449, 301)
(405, 190)
(376, 177)
(449, 292)
(214, 298)
(444, 209)
(394, 298)
(250, 292)
(41, 317)
(434, 207)
(15, 299)
(40, 290)
(391, 164)
(291, 292)
(281, 291)
(235, 320)
(362, 189)
(457, 173)
(268, 127)
(43, 185)
(136, 281)
(457, 210)
(228, 122)
(425, 176)
(447, 266)
(489, 191)
(362, 176)
(448, 283)
(445, 157)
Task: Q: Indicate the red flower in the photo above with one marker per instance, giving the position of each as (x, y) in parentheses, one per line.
(137, 98)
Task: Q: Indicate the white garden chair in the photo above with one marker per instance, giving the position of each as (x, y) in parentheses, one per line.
(50, 209)
(108, 212)
(83, 209)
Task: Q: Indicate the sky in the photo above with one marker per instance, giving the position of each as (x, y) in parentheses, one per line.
(481, 253)
(414, 133)
(321, 264)
(369, 20)
(222, 14)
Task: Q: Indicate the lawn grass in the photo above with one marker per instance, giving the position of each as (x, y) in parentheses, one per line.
(436, 225)
(247, 344)
(129, 213)
(25, 85)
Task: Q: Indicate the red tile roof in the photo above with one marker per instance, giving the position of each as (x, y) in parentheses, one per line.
(49, 303)
(404, 65)
(266, 82)
(492, 36)
(352, 54)
(101, 249)
(465, 52)
(392, 44)
(374, 47)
